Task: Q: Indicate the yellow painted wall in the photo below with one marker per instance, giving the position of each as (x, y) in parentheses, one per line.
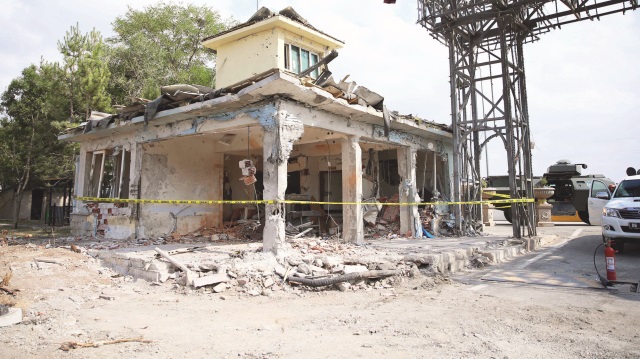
(246, 57)
(257, 53)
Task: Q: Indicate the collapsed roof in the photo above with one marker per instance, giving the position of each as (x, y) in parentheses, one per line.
(178, 95)
(342, 97)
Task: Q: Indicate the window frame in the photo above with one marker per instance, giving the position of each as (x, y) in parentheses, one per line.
(595, 191)
(295, 65)
(95, 173)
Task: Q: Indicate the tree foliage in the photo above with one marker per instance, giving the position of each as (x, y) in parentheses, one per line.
(86, 73)
(31, 110)
(160, 45)
(153, 47)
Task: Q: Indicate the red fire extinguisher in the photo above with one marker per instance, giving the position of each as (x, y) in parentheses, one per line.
(610, 258)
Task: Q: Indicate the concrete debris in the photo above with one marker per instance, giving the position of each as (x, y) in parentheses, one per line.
(210, 279)
(220, 288)
(305, 263)
(11, 316)
(354, 269)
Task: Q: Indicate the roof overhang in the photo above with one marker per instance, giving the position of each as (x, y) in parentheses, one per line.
(278, 21)
(280, 85)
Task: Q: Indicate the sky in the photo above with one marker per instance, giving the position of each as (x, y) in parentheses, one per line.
(583, 81)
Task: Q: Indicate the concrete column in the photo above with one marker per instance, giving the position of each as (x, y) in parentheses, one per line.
(80, 180)
(135, 174)
(217, 182)
(280, 133)
(352, 221)
(409, 216)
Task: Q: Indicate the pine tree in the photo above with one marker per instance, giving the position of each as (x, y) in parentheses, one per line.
(86, 73)
(95, 75)
(72, 49)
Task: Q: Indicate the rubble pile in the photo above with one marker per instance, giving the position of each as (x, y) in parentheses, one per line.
(383, 229)
(219, 262)
(310, 264)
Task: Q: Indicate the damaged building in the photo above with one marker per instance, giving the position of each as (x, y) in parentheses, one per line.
(284, 144)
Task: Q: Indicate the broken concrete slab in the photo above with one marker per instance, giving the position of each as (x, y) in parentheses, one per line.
(220, 288)
(354, 269)
(210, 279)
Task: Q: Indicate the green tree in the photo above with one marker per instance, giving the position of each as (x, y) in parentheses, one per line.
(94, 72)
(72, 48)
(160, 45)
(86, 73)
(30, 110)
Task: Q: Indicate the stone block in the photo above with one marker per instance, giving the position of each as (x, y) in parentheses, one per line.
(220, 288)
(495, 256)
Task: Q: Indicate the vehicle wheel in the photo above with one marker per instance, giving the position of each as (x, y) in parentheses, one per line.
(617, 245)
(584, 217)
(507, 215)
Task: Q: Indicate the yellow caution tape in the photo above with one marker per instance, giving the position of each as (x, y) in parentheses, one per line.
(497, 194)
(168, 201)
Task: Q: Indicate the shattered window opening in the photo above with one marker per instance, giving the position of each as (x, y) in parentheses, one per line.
(297, 59)
(108, 173)
(389, 172)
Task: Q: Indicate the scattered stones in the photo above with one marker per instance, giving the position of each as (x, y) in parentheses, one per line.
(220, 288)
(244, 268)
(268, 282)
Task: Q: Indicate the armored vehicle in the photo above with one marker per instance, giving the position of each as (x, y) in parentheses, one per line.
(573, 191)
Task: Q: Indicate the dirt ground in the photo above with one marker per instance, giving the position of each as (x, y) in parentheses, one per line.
(419, 317)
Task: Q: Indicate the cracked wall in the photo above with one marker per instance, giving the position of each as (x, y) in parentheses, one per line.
(181, 168)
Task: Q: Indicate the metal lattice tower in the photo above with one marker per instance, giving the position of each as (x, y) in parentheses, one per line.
(488, 87)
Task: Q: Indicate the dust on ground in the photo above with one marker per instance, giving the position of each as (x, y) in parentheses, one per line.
(70, 297)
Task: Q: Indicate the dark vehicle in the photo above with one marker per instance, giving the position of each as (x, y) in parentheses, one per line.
(573, 190)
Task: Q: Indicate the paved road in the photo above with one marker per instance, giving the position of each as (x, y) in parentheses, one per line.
(567, 263)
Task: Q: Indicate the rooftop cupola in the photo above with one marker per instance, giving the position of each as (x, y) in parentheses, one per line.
(284, 41)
